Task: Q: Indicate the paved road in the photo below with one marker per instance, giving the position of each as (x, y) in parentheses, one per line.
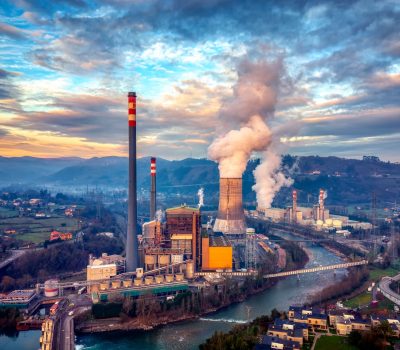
(67, 333)
(15, 254)
(384, 286)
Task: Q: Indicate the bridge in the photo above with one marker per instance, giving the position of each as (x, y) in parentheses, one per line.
(317, 269)
(384, 286)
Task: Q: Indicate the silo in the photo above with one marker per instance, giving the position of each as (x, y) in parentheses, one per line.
(51, 288)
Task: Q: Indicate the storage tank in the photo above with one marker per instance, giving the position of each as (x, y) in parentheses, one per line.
(189, 273)
(127, 283)
(169, 278)
(104, 285)
(139, 272)
(163, 260)
(176, 258)
(137, 282)
(148, 280)
(179, 277)
(116, 284)
(51, 288)
(250, 231)
(329, 222)
(159, 279)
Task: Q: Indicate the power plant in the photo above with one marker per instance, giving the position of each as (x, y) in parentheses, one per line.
(132, 252)
(230, 219)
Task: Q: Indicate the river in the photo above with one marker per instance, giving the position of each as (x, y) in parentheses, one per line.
(189, 334)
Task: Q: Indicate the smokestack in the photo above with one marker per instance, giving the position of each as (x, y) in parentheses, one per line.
(294, 207)
(321, 204)
(230, 218)
(153, 188)
(132, 252)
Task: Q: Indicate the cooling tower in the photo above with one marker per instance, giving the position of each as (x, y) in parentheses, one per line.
(230, 219)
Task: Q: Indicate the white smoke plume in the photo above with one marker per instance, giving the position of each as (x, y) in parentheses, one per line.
(243, 128)
(269, 178)
(200, 194)
(159, 215)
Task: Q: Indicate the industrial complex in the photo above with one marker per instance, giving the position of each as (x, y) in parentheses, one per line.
(177, 252)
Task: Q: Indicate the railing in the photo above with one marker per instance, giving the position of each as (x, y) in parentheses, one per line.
(316, 269)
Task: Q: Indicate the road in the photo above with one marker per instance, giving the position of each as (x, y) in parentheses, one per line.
(67, 341)
(384, 286)
(15, 254)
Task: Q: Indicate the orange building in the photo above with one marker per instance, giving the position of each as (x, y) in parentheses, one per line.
(216, 253)
(60, 235)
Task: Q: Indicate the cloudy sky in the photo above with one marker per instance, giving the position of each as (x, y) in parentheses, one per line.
(66, 66)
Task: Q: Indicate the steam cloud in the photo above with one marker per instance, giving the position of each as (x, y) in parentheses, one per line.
(243, 128)
(200, 194)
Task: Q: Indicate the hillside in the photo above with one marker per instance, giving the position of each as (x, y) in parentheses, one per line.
(347, 180)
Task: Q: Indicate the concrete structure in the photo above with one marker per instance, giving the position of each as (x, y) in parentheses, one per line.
(230, 218)
(132, 253)
(104, 268)
(153, 203)
(152, 232)
(217, 253)
(20, 299)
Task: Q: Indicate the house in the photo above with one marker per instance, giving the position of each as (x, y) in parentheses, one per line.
(268, 343)
(288, 330)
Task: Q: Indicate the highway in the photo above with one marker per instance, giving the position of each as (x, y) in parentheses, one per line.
(384, 286)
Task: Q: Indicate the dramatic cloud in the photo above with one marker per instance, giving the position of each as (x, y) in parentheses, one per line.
(67, 65)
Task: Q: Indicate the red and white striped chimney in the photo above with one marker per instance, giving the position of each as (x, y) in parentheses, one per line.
(153, 188)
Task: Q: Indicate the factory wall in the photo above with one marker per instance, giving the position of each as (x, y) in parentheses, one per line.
(220, 258)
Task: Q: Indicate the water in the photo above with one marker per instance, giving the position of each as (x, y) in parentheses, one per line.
(189, 334)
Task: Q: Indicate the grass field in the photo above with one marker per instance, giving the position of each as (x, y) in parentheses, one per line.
(38, 230)
(333, 342)
(360, 300)
(7, 213)
(376, 274)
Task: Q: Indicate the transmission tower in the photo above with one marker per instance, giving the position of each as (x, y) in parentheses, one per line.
(373, 219)
(251, 250)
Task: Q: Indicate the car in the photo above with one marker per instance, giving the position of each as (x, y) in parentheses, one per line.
(71, 313)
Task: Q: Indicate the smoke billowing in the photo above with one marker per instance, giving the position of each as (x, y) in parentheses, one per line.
(200, 194)
(243, 128)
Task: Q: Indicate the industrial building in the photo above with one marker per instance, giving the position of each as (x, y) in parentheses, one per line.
(104, 267)
(217, 252)
(183, 225)
(20, 299)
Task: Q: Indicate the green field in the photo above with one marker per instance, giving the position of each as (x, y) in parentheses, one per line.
(333, 342)
(376, 274)
(38, 230)
(7, 213)
(360, 300)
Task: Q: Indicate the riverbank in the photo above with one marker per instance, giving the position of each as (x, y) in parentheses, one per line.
(145, 324)
(148, 322)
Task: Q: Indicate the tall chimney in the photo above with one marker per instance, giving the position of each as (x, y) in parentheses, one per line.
(321, 204)
(294, 207)
(230, 218)
(153, 188)
(132, 253)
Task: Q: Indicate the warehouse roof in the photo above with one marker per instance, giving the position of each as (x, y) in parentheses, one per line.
(219, 241)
